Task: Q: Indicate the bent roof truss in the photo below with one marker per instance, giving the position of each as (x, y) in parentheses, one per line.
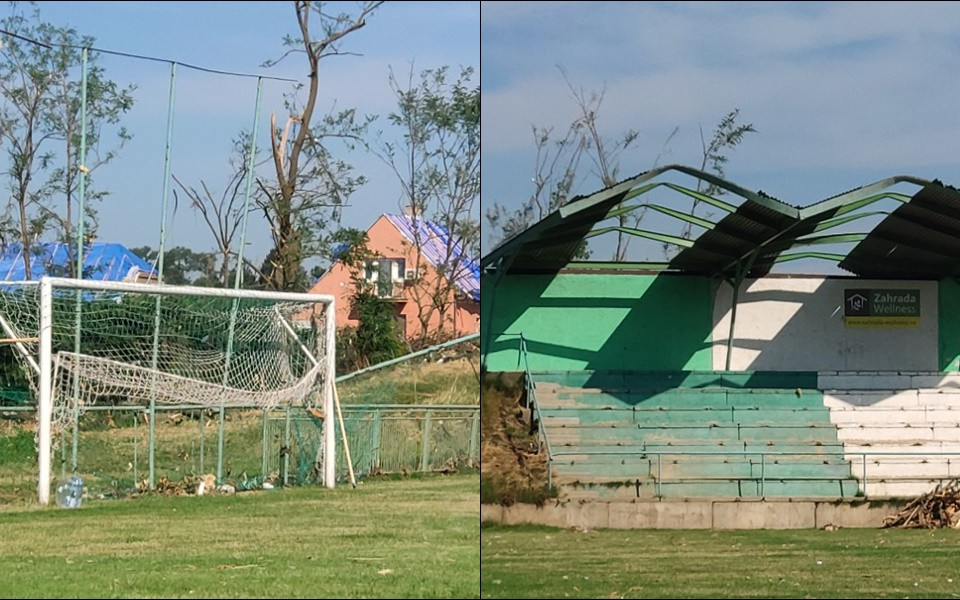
(919, 239)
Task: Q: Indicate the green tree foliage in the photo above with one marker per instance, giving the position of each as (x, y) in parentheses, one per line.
(376, 337)
(183, 266)
(726, 137)
(40, 88)
(438, 166)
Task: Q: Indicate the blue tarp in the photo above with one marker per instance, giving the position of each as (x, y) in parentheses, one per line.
(434, 239)
(101, 261)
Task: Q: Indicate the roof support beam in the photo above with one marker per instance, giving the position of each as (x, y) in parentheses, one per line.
(742, 269)
(650, 235)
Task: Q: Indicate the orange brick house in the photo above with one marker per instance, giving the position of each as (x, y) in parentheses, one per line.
(404, 271)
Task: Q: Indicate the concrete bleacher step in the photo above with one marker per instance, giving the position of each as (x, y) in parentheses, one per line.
(902, 433)
(627, 435)
(627, 490)
(887, 380)
(677, 398)
(681, 467)
(918, 415)
(769, 488)
(901, 488)
(700, 446)
(673, 379)
(572, 417)
(637, 435)
(609, 491)
(891, 468)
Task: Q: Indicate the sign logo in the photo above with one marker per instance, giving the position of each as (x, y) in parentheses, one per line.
(881, 308)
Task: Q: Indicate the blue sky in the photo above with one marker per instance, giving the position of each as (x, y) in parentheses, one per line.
(210, 110)
(841, 93)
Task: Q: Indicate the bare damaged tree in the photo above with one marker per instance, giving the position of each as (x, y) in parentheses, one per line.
(727, 136)
(224, 214)
(558, 168)
(554, 175)
(312, 185)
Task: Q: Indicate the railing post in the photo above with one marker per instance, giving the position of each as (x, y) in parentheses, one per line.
(763, 462)
(659, 474)
(864, 456)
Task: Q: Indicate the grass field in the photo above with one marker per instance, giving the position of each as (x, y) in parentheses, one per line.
(397, 538)
(542, 562)
(112, 454)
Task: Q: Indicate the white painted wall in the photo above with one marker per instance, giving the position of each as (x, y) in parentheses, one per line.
(796, 324)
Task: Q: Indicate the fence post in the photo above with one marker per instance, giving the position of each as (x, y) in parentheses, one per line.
(474, 434)
(377, 425)
(201, 423)
(264, 449)
(286, 443)
(136, 417)
(425, 448)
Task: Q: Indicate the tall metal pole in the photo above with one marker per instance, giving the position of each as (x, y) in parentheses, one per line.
(46, 397)
(151, 455)
(238, 278)
(329, 432)
(81, 219)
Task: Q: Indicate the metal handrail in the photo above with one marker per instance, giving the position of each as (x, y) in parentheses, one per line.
(863, 455)
(530, 387)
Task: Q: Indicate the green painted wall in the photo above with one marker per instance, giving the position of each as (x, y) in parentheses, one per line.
(594, 321)
(949, 325)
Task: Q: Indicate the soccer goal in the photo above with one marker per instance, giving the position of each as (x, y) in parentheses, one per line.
(101, 342)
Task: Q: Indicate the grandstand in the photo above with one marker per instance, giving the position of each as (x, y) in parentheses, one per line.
(720, 374)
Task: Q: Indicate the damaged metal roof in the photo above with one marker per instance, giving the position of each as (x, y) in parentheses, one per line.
(920, 239)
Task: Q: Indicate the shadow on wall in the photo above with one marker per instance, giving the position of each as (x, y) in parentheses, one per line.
(797, 324)
(670, 323)
(602, 322)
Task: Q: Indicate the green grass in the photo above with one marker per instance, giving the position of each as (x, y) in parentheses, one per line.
(453, 382)
(385, 539)
(542, 562)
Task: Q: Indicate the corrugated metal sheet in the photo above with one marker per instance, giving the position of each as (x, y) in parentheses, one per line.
(732, 240)
(437, 247)
(101, 261)
(918, 240)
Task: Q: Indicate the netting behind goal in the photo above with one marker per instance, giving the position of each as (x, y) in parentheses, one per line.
(140, 343)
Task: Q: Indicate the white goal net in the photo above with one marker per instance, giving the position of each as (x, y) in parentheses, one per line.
(88, 342)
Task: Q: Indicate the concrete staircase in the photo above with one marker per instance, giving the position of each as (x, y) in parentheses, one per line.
(900, 431)
(630, 435)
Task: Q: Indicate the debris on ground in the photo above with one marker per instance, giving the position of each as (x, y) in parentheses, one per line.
(513, 468)
(937, 509)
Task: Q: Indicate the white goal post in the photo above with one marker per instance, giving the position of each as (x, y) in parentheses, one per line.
(263, 360)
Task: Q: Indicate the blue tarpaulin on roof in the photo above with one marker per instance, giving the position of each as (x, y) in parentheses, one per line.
(101, 261)
(434, 240)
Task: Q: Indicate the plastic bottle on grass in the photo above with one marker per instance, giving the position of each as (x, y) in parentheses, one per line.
(70, 492)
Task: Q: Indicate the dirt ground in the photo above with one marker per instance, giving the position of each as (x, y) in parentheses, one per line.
(512, 468)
